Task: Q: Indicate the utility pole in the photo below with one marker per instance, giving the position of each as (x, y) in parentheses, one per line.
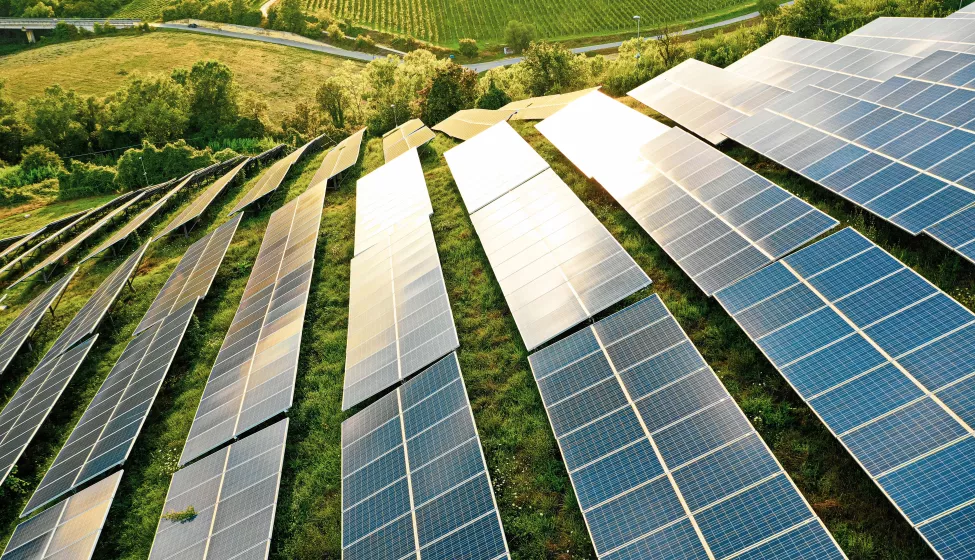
(637, 19)
(144, 174)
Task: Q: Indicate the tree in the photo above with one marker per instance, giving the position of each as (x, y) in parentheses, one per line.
(768, 8)
(39, 10)
(468, 48)
(670, 48)
(335, 32)
(549, 68)
(451, 89)
(217, 10)
(12, 129)
(54, 121)
(806, 18)
(493, 97)
(213, 97)
(289, 16)
(242, 14)
(155, 109)
(37, 157)
(304, 123)
(519, 35)
(333, 100)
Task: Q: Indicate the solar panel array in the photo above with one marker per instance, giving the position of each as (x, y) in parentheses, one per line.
(343, 156)
(966, 12)
(108, 428)
(538, 108)
(192, 277)
(17, 332)
(399, 315)
(886, 360)
(388, 195)
(12, 249)
(914, 36)
(482, 180)
(254, 374)
(663, 462)
(468, 123)
(414, 479)
(705, 99)
(556, 263)
(409, 135)
(234, 492)
(199, 205)
(69, 530)
(274, 175)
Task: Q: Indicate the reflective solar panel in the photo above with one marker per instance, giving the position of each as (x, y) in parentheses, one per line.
(409, 135)
(414, 479)
(663, 462)
(468, 123)
(253, 377)
(388, 195)
(199, 205)
(913, 36)
(957, 232)
(192, 277)
(479, 177)
(67, 531)
(274, 175)
(13, 337)
(52, 234)
(16, 245)
(338, 159)
(538, 108)
(234, 493)
(556, 263)
(110, 425)
(705, 99)
(399, 315)
(886, 360)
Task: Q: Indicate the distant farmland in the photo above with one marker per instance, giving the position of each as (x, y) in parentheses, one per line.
(447, 21)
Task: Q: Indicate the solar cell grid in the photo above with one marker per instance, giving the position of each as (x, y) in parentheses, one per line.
(253, 377)
(109, 426)
(234, 492)
(54, 234)
(386, 196)
(20, 329)
(913, 36)
(883, 357)
(414, 480)
(407, 136)
(199, 205)
(468, 123)
(338, 159)
(400, 319)
(11, 250)
(274, 175)
(70, 529)
(555, 262)
(662, 460)
(538, 108)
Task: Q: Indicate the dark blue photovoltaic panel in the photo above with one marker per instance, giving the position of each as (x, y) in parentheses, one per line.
(957, 232)
(808, 541)
(654, 441)
(869, 363)
(954, 534)
(412, 468)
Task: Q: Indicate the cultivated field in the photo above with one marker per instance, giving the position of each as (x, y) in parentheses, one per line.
(278, 75)
(447, 21)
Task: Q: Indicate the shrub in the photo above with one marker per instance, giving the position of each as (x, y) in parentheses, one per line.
(519, 35)
(335, 32)
(364, 42)
(158, 165)
(85, 179)
(493, 97)
(39, 10)
(37, 157)
(468, 48)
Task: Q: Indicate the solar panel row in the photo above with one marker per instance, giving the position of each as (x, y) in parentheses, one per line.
(67, 531)
(886, 360)
(705, 99)
(663, 462)
(17, 332)
(538, 108)
(343, 156)
(234, 494)
(253, 377)
(407, 136)
(914, 36)
(468, 123)
(275, 174)
(199, 205)
(414, 480)
(387, 196)
(11, 250)
(399, 314)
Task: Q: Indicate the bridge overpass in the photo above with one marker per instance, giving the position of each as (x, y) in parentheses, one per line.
(30, 25)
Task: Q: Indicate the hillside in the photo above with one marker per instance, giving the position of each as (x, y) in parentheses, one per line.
(278, 75)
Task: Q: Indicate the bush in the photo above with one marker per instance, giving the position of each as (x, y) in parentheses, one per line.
(37, 157)
(39, 10)
(85, 179)
(173, 160)
(12, 196)
(493, 97)
(519, 35)
(364, 42)
(468, 48)
(335, 32)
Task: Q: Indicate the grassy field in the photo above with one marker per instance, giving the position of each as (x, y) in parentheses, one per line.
(538, 509)
(29, 217)
(279, 75)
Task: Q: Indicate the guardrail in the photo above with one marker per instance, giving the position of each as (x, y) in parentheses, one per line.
(35, 24)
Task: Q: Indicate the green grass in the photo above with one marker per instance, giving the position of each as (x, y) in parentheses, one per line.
(538, 509)
(29, 217)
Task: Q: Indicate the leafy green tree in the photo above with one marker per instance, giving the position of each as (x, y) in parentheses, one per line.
(451, 89)
(768, 8)
(493, 97)
(85, 179)
(217, 10)
(39, 10)
(289, 16)
(806, 18)
(549, 68)
(242, 13)
(185, 9)
(468, 48)
(303, 124)
(335, 32)
(213, 97)
(37, 157)
(155, 109)
(333, 99)
(519, 35)
(161, 164)
(12, 129)
(54, 119)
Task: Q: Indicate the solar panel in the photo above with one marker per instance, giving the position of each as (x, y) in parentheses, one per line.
(886, 361)
(268, 154)
(957, 232)
(56, 234)
(192, 277)
(399, 314)
(913, 36)
(343, 156)
(468, 123)
(70, 246)
(17, 332)
(538, 108)
(199, 205)
(556, 263)
(966, 12)
(663, 462)
(7, 241)
(409, 135)
(476, 169)
(19, 243)
(414, 479)
(274, 176)
(254, 374)
(705, 99)
(386, 196)
(69, 530)
(107, 430)
(234, 493)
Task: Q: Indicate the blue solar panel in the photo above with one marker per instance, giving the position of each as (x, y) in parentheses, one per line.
(957, 232)
(885, 359)
(663, 462)
(414, 480)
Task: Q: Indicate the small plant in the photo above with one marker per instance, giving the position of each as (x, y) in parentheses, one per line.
(188, 514)
(468, 48)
